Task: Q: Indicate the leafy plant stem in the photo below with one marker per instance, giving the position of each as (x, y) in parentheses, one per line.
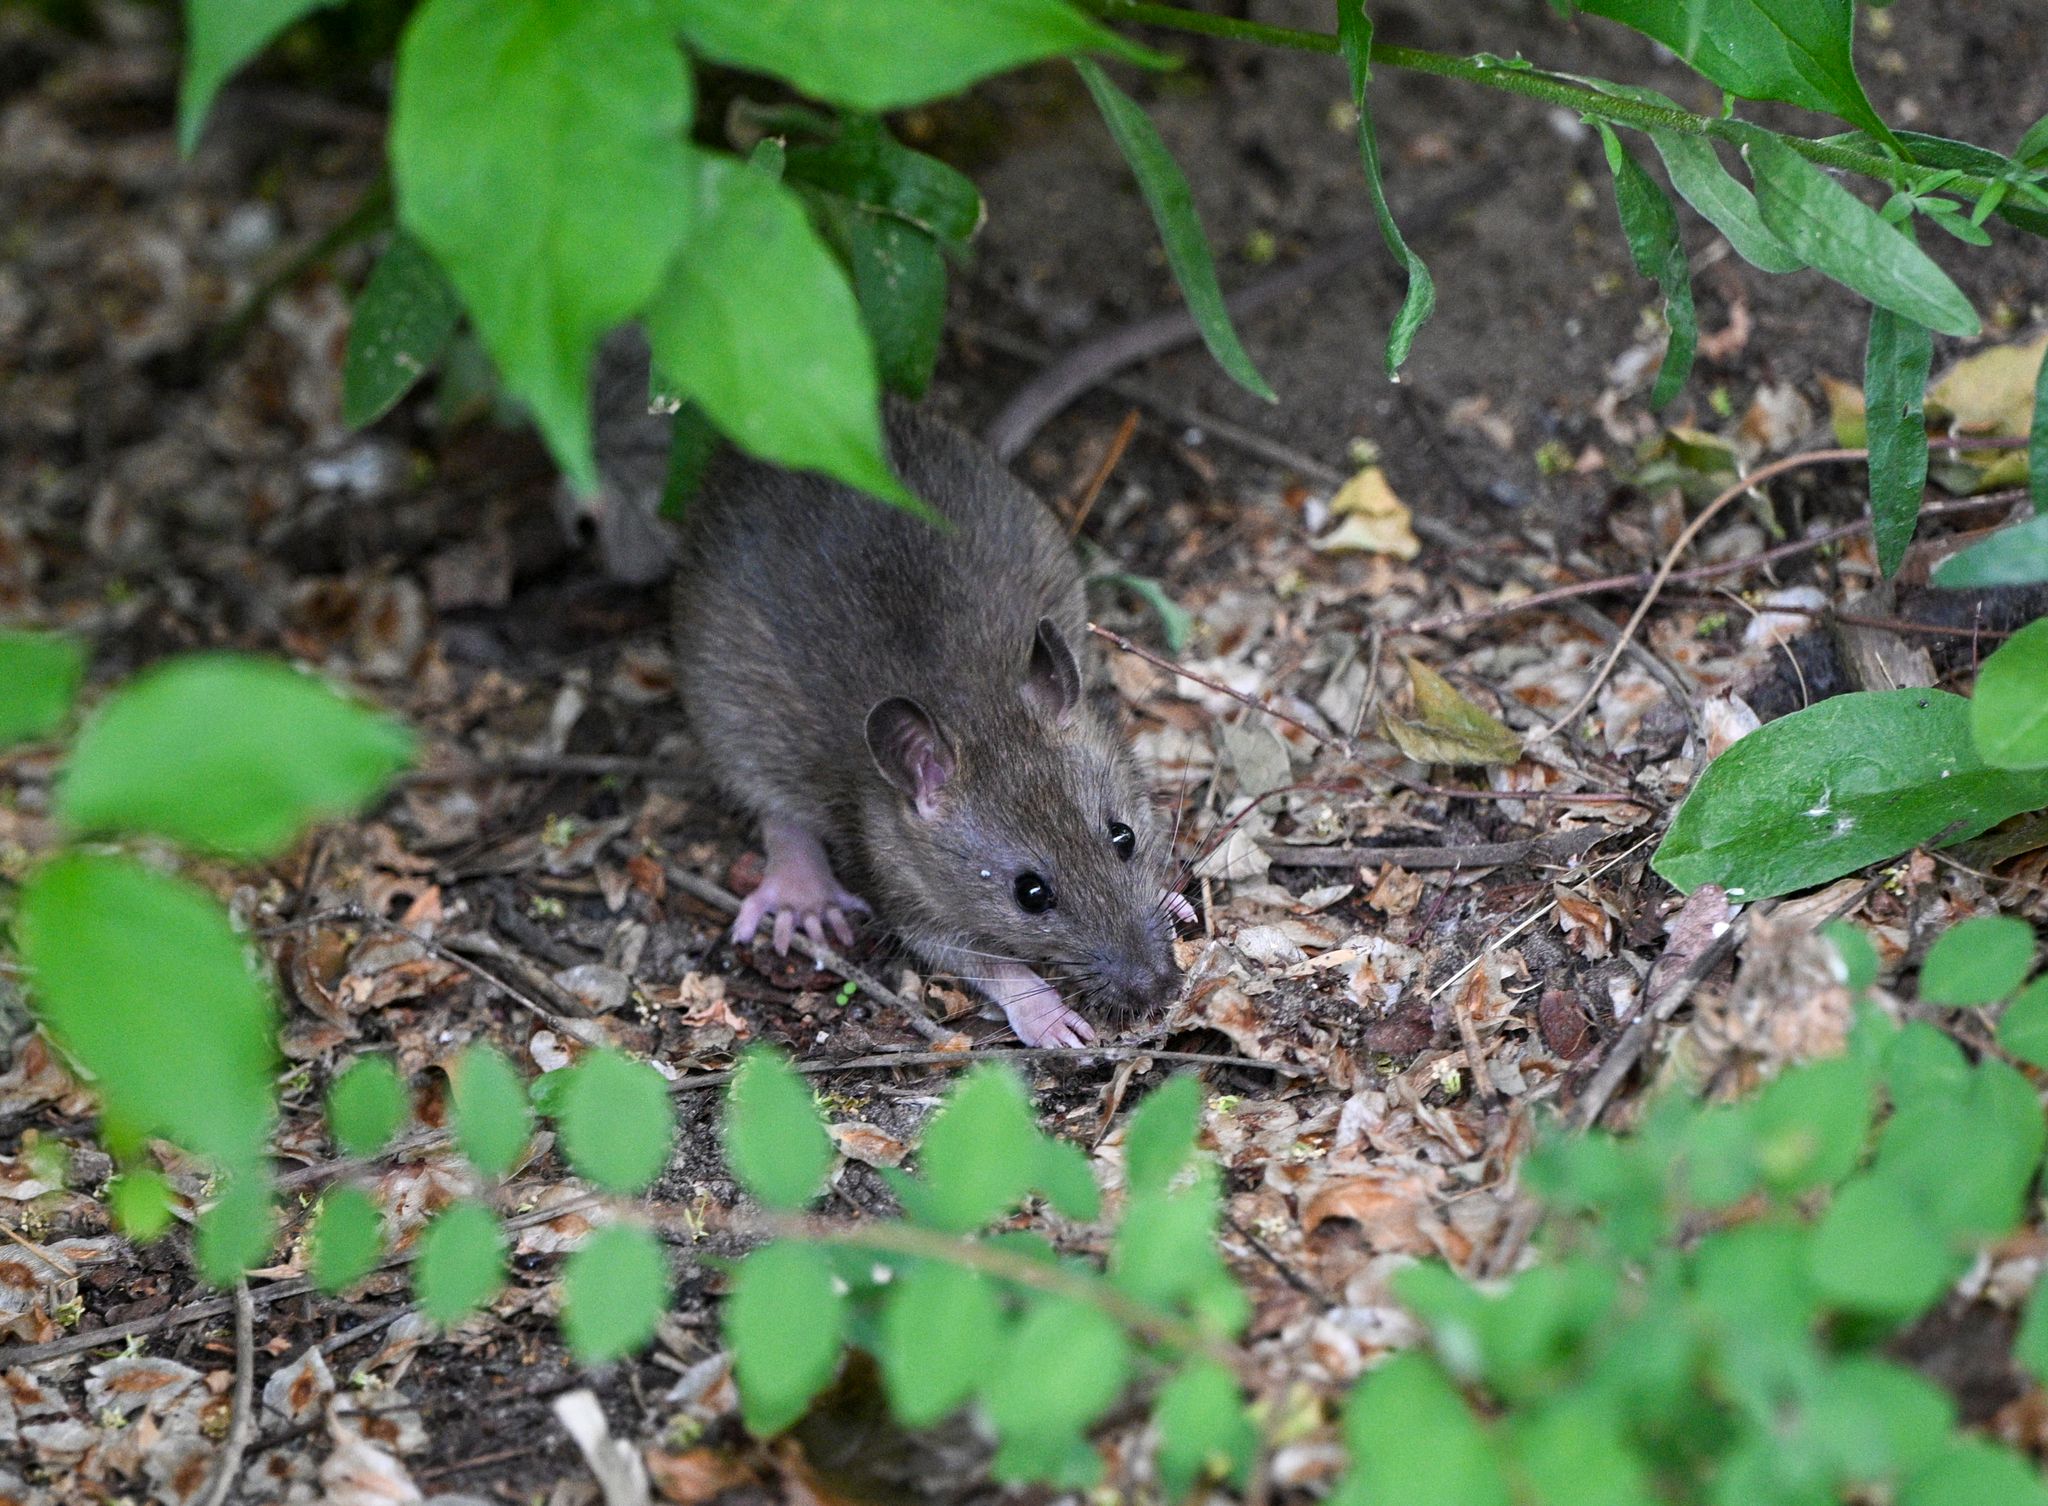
(1006, 1265)
(1530, 82)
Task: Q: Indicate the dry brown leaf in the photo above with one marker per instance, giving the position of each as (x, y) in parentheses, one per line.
(696, 1476)
(1448, 728)
(1372, 519)
(868, 1144)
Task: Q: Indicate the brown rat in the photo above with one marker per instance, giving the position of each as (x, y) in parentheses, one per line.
(908, 698)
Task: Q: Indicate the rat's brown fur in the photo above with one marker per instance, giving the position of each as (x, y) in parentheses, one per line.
(802, 605)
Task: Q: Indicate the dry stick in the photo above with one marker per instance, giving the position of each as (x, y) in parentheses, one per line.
(1111, 458)
(1671, 558)
(1636, 580)
(1558, 847)
(242, 1425)
(1854, 619)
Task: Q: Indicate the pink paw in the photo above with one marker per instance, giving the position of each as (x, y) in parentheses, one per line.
(1040, 1019)
(796, 897)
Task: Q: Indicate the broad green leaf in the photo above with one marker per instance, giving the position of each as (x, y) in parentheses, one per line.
(1354, 38)
(1574, 1452)
(461, 1264)
(1873, 1253)
(884, 54)
(2015, 556)
(614, 1290)
(899, 281)
(1859, 957)
(1811, 1123)
(1895, 364)
(940, 1324)
(220, 36)
(2032, 152)
(1857, 779)
(365, 1105)
(141, 1200)
(142, 981)
(1925, 1068)
(1650, 226)
(2030, 1345)
(1722, 200)
(1061, 1461)
(235, 1234)
(39, 677)
(1967, 1199)
(1836, 233)
(869, 167)
(2009, 707)
(1161, 1134)
(1978, 961)
(227, 753)
(980, 1153)
(1166, 1245)
(1797, 51)
(402, 322)
(1204, 1432)
(756, 322)
(775, 1139)
(1172, 203)
(1064, 1365)
(1972, 1472)
(1878, 1419)
(784, 1321)
(348, 1238)
(617, 1122)
(493, 1120)
(1413, 1442)
(539, 150)
(1067, 1180)
(2023, 1028)
(1528, 1333)
(1176, 623)
(2037, 442)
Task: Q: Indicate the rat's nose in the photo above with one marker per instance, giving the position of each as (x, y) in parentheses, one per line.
(1147, 979)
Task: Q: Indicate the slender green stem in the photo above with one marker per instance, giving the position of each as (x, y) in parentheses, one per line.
(1533, 83)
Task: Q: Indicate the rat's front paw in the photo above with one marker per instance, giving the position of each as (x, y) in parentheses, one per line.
(797, 895)
(1034, 1010)
(1175, 904)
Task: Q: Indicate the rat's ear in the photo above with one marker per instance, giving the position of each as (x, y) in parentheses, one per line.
(1052, 682)
(910, 750)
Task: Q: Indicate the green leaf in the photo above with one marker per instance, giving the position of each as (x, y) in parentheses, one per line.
(1925, 1068)
(1972, 1472)
(1354, 38)
(775, 1138)
(1722, 200)
(539, 150)
(1413, 1442)
(2009, 707)
(1981, 1196)
(142, 981)
(2030, 1345)
(2023, 1028)
(1176, 623)
(141, 1200)
(39, 677)
(1161, 1134)
(1797, 51)
(1574, 1452)
(493, 1119)
(884, 54)
(868, 166)
(1859, 958)
(899, 281)
(2032, 152)
(756, 322)
(227, 753)
(1650, 226)
(365, 1105)
(220, 36)
(461, 1264)
(1067, 1180)
(618, 1124)
(1836, 233)
(1063, 1367)
(348, 1238)
(1895, 365)
(1857, 779)
(784, 1321)
(402, 322)
(980, 1153)
(1204, 1433)
(1978, 961)
(2015, 556)
(2037, 443)
(1811, 1123)
(1172, 203)
(1877, 1419)
(614, 1290)
(940, 1324)
(234, 1235)
(1873, 1253)
(1166, 1245)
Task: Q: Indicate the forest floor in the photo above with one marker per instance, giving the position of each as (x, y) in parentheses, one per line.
(1383, 1034)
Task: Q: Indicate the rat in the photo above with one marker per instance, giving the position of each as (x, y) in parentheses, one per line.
(899, 702)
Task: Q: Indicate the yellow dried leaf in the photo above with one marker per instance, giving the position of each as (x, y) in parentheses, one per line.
(1846, 414)
(1990, 393)
(1447, 728)
(1375, 521)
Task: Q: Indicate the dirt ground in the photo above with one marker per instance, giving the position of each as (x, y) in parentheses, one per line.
(1385, 1035)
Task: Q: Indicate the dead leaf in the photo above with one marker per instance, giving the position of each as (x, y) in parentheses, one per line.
(1847, 415)
(868, 1144)
(1448, 728)
(1989, 394)
(1373, 519)
(1585, 922)
(688, 1479)
(1257, 756)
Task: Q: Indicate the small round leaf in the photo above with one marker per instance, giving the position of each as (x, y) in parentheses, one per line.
(1978, 961)
(461, 1264)
(348, 1238)
(775, 1139)
(617, 1122)
(784, 1321)
(365, 1105)
(493, 1122)
(615, 1289)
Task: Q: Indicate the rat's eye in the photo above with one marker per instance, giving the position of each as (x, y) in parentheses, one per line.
(1034, 894)
(1123, 839)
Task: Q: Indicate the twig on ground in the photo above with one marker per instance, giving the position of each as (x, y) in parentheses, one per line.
(1111, 458)
(242, 1422)
(1321, 740)
(1559, 847)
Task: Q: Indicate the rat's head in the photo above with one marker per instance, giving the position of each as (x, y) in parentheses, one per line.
(1027, 835)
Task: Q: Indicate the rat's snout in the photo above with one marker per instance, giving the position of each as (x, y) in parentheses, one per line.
(1145, 978)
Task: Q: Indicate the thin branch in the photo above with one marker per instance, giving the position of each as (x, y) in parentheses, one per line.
(1559, 847)
(242, 1423)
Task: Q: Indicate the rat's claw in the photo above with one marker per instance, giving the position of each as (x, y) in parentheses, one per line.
(836, 919)
(785, 928)
(1177, 906)
(814, 927)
